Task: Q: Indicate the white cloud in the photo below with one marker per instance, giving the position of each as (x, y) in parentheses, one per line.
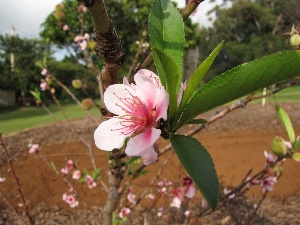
(28, 15)
(25, 15)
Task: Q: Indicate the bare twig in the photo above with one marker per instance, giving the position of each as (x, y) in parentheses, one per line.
(11, 207)
(17, 181)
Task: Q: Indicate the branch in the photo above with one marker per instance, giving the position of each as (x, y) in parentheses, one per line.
(108, 45)
(27, 213)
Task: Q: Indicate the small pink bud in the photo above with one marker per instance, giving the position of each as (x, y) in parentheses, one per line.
(44, 71)
(65, 27)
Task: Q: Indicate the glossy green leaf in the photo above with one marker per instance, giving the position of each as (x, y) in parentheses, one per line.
(36, 94)
(96, 173)
(166, 31)
(286, 121)
(199, 165)
(198, 75)
(197, 121)
(296, 156)
(297, 144)
(243, 80)
(168, 69)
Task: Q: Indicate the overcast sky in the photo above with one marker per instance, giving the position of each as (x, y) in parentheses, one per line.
(27, 15)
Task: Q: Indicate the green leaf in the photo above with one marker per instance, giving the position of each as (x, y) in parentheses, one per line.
(170, 73)
(296, 156)
(286, 121)
(96, 173)
(39, 64)
(166, 32)
(297, 144)
(197, 121)
(243, 80)
(198, 75)
(36, 95)
(199, 165)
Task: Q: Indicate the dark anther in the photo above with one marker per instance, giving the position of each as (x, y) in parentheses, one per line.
(103, 111)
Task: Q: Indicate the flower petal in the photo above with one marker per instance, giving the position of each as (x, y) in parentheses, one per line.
(162, 105)
(138, 145)
(190, 191)
(148, 87)
(108, 135)
(149, 156)
(114, 98)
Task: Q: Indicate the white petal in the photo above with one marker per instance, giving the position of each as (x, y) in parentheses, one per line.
(162, 105)
(113, 95)
(137, 145)
(107, 137)
(190, 191)
(149, 156)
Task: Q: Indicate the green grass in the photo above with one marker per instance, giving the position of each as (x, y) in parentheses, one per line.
(291, 94)
(18, 119)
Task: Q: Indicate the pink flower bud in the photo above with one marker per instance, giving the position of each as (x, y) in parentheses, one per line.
(65, 27)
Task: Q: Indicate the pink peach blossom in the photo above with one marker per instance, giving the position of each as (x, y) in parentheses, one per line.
(139, 107)
(270, 158)
(76, 175)
(189, 187)
(2, 180)
(65, 27)
(124, 212)
(33, 148)
(267, 184)
(226, 191)
(44, 71)
(90, 181)
(43, 86)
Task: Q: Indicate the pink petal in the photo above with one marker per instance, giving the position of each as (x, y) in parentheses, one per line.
(112, 97)
(137, 145)
(150, 156)
(108, 137)
(148, 87)
(190, 191)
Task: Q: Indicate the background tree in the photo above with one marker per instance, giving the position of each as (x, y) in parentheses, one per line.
(250, 29)
(130, 19)
(24, 75)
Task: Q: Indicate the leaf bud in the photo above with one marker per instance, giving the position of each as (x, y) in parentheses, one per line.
(77, 83)
(279, 147)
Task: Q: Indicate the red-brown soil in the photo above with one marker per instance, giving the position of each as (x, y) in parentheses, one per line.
(235, 142)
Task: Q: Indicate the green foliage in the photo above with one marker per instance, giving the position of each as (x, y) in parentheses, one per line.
(25, 75)
(242, 80)
(18, 119)
(197, 77)
(286, 121)
(250, 30)
(168, 71)
(166, 31)
(66, 71)
(199, 165)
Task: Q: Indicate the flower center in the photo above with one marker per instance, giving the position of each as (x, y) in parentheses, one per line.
(137, 118)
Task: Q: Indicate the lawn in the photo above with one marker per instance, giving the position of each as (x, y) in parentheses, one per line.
(291, 94)
(18, 119)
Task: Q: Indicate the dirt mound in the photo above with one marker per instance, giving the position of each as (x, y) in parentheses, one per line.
(236, 143)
